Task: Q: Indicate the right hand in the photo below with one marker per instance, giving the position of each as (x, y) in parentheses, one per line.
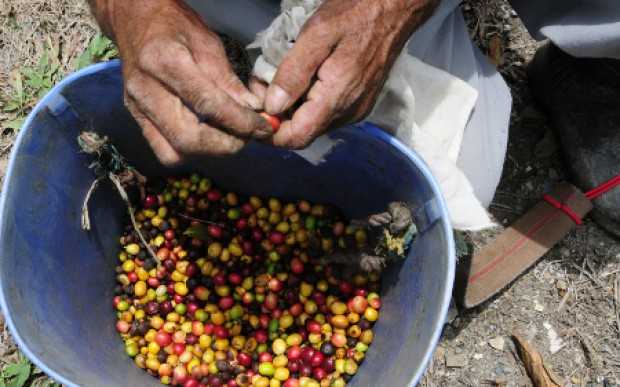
(179, 85)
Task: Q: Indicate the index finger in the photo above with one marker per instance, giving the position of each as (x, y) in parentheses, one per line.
(182, 74)
(309, 121)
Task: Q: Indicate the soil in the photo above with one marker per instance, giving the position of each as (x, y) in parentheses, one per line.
(565, 305)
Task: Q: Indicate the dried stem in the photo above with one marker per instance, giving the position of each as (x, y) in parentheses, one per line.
(131, 211)
(617, 300)
(184, 216)
(85, 213)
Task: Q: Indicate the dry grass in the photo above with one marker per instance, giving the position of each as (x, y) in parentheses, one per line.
(29, 27)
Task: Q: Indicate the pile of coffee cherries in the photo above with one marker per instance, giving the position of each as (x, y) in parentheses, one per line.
(238, 294)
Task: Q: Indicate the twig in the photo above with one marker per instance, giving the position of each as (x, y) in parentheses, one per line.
(585, 272)
(85, 213)
(6, 148)
(199, 220)
(588, 351)
(564, 299)
(617, 300)
(539, 373)
(131, 211)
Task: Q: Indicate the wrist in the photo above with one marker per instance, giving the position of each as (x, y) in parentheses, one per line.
(101, 10)
(113, 15)
(417, 11)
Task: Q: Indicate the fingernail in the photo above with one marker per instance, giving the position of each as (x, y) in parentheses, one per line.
(253, 101)
(277, 100)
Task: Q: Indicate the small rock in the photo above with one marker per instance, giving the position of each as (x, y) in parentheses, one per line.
(575, 380)
(538, 306)
(440, 352)
(565, 252)
(555, 342)
(478, 356)
(528, 168)
(561, 285)
(453, 313)
(497, 343)
(529, 186)
(456, 361)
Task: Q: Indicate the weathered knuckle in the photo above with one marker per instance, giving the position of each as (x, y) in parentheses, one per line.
(127, 102)
(223, 151)
(206, 105)
(184, 141)
(149, 55)
(301, 141)
(133, 88)
(169, 159)
(315, 25)
(223, 145)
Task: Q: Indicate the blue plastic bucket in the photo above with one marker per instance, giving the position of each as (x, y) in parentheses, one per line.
(57, 281)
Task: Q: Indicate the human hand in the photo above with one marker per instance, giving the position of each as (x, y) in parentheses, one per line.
(339, 63)
(179, 85)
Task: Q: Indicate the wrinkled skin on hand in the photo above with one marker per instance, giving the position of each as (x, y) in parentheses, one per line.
(339, 63)
(179, 85)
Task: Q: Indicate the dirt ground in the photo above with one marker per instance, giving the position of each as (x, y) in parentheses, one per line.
(565, 305)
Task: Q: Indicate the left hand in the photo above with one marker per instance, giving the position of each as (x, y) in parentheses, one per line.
(339, 64)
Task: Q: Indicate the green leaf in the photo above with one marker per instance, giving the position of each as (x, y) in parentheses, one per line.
(35, 81)
(199, 231)
(15, 124)
(110, 54)
(43, 62)
(11, 106)
(18, 373)
(461, 244)
(98, 45)
(412, 231)
(83, 60)
(18, 86)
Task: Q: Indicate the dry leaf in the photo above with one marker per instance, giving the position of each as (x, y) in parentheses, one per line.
(496, 50)
(541, 375)
(497, 343)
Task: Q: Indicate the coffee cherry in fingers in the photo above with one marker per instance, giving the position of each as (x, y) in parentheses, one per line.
(274, 121)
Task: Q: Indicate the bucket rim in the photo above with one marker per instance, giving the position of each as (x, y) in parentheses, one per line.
(382, 135)
(368, 128)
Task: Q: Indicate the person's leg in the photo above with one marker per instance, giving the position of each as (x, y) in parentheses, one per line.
(576, 79)
(581, 28)
(445, 43)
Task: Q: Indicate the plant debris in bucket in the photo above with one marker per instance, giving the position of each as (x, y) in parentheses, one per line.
(219, 289)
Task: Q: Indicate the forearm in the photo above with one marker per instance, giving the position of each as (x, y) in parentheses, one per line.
(419, 11)
(101, 11)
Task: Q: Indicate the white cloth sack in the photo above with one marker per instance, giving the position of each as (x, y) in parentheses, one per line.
(423, 106)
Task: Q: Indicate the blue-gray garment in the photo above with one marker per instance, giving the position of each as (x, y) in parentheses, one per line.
(580, 27)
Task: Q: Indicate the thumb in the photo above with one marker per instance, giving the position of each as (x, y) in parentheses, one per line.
(297, 70)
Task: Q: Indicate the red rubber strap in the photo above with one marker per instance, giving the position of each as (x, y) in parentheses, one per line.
(561, 206)
(605, 187)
